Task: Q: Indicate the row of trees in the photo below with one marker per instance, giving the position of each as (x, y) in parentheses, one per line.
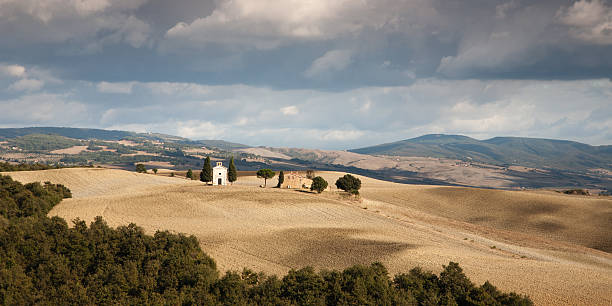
(4, 166)
(46, 262)
(8, 167)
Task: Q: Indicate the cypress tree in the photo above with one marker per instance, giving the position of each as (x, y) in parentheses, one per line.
(189, 174)
(232, 176)
(281, 179)
(206, 174)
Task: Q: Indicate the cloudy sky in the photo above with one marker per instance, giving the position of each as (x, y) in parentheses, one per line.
(329, 74)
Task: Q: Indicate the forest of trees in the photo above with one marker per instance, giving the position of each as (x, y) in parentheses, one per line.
(7, 167)
(4, 167)
(44, 261)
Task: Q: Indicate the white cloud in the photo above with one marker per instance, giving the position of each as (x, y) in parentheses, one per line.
(268, 24)
(331, 61)
(341, 135)
(119, 88)
(366, 107)
(88, 22)
(502, 10)
(264, 23)
(201, 130)
(30, 79)
(174, 88)
(135, 32)
(40, 109)
(335, 120)
(27, 85)
(289, 110)
(12, 70)
(589, 21)
(47, 11)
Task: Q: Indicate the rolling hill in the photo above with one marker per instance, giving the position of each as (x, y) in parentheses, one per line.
(530, 152)
(112, 135)
(501, 162)
(533, 242)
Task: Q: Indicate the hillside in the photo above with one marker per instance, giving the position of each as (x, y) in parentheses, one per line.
(76, 133)
(75, 146)
(530, 152)
(529, 242)
(503, 162)
(100, 134)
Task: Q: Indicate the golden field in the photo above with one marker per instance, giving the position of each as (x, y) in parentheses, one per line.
(553, 247)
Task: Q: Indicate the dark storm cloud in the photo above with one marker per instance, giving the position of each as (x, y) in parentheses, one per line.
(275, 43)
(340, 73)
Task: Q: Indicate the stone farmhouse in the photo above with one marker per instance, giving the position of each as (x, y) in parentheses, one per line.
(219, 175)
(295, 180)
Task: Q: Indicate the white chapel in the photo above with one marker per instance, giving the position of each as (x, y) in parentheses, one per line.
(219, 175)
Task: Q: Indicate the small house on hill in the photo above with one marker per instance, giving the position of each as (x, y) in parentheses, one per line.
(219, 175)
(295, 180)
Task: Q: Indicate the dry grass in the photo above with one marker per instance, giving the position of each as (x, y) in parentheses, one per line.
(536, 250)
(263, 152)
(71, 150)
(449, 170)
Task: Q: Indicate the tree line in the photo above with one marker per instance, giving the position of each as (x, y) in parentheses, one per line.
(8, 167)
(44, 261)
(5, 167)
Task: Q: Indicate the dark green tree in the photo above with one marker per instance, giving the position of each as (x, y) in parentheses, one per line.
(265, 174)
(281, 178)
(155, 170)
(189, 174)
(140, 168)
(206, 175)
(349, 184)
(318, 184)
(232, 174)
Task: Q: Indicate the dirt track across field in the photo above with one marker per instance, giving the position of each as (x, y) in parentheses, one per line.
(537, 243)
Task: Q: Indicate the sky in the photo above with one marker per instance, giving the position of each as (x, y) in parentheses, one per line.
(328, 74)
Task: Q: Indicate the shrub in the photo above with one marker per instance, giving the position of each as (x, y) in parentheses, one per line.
(349, 184)
(140, 168)
(576, 192)
(318, 184)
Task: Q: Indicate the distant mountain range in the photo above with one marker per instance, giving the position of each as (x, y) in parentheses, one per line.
(531, 152)
(500, 162)
(100, 134)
